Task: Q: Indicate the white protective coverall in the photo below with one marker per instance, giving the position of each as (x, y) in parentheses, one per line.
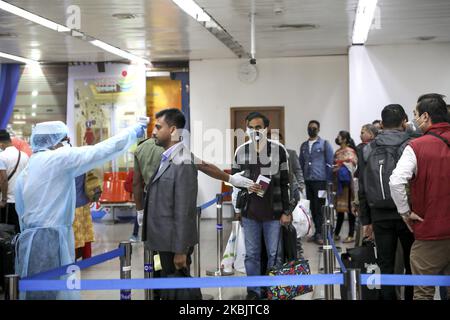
(45, 199)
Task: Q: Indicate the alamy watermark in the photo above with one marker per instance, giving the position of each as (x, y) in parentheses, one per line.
(73, 281)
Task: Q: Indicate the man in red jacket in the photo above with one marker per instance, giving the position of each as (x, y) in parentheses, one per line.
(425, 164)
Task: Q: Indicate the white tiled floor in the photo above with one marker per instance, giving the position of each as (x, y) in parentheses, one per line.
(108, 237)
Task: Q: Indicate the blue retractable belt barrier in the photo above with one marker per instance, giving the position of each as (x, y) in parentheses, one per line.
(252, 281)
(177, 283)
(83, 264)
(213, 201)
(55, 273)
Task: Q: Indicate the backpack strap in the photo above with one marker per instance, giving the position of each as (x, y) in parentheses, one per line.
(440, 138)
(367, 150)
(15, 168)
(402, 147)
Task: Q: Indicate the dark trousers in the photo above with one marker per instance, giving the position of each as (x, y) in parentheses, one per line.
(8, 215)
(136, 228)
(387, 233)
(316, 203)
(340, 221)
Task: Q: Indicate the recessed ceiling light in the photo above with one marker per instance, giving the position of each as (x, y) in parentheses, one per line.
(19, 122)
(34, 93)
(193, 9)
(365, 13)
(34, 106)
(32, 17)
(119, 52)
(33, 114)
(17, 58)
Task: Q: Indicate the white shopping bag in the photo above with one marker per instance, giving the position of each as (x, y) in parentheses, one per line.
(302, 219)
(229, 255)
(239, 262)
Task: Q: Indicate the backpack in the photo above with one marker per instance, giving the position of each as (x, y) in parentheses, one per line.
(380, 164)
(92, 186)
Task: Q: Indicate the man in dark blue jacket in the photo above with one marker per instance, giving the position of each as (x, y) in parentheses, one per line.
(316, 160)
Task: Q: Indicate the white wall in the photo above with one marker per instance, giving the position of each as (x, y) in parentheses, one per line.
(381, 75)
(308, 88)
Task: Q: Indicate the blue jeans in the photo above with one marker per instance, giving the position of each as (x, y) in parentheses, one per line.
(253, 230)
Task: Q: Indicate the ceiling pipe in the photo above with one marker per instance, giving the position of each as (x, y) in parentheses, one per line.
(252, 31)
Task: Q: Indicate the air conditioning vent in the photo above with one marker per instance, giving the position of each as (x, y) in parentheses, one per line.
(125, 16)
(296, 26)
(7, 35)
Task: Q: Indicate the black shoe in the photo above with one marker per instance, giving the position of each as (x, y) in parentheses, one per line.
(252, 296)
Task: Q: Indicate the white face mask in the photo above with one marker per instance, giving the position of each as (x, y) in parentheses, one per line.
(256, 135)
(66, 143)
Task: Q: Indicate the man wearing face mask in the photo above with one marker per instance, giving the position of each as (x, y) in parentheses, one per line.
(412, 126)
(378, 213)
(266, 205)
(425, 165)
(316, 160)
(368, 133)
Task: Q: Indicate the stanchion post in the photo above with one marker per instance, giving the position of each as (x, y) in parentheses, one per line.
(328, 257)
(219, 270)
(219, 231)
(197, 269)
(149, 271)
(125, 268)
(197, 265)
(11, 287)
(352, 284)
(330, 199)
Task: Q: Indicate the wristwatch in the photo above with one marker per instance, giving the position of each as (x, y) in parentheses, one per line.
(405, 215)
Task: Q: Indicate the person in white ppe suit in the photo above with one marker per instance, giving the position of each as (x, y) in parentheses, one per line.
(45, 198)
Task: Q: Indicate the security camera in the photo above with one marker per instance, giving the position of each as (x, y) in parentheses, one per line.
(252, 61)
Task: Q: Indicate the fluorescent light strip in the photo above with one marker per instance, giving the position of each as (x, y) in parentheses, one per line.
(32, 17)
(363, 21)
(193, 9)
(17, 58)
(119, 52)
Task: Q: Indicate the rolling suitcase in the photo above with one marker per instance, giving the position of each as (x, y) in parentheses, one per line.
(363, 258)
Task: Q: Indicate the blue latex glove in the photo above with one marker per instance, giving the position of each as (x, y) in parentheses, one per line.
(140, 130)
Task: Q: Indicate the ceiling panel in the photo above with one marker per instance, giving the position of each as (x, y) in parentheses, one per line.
(404, 21)
(160, 31)
(334, 21)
